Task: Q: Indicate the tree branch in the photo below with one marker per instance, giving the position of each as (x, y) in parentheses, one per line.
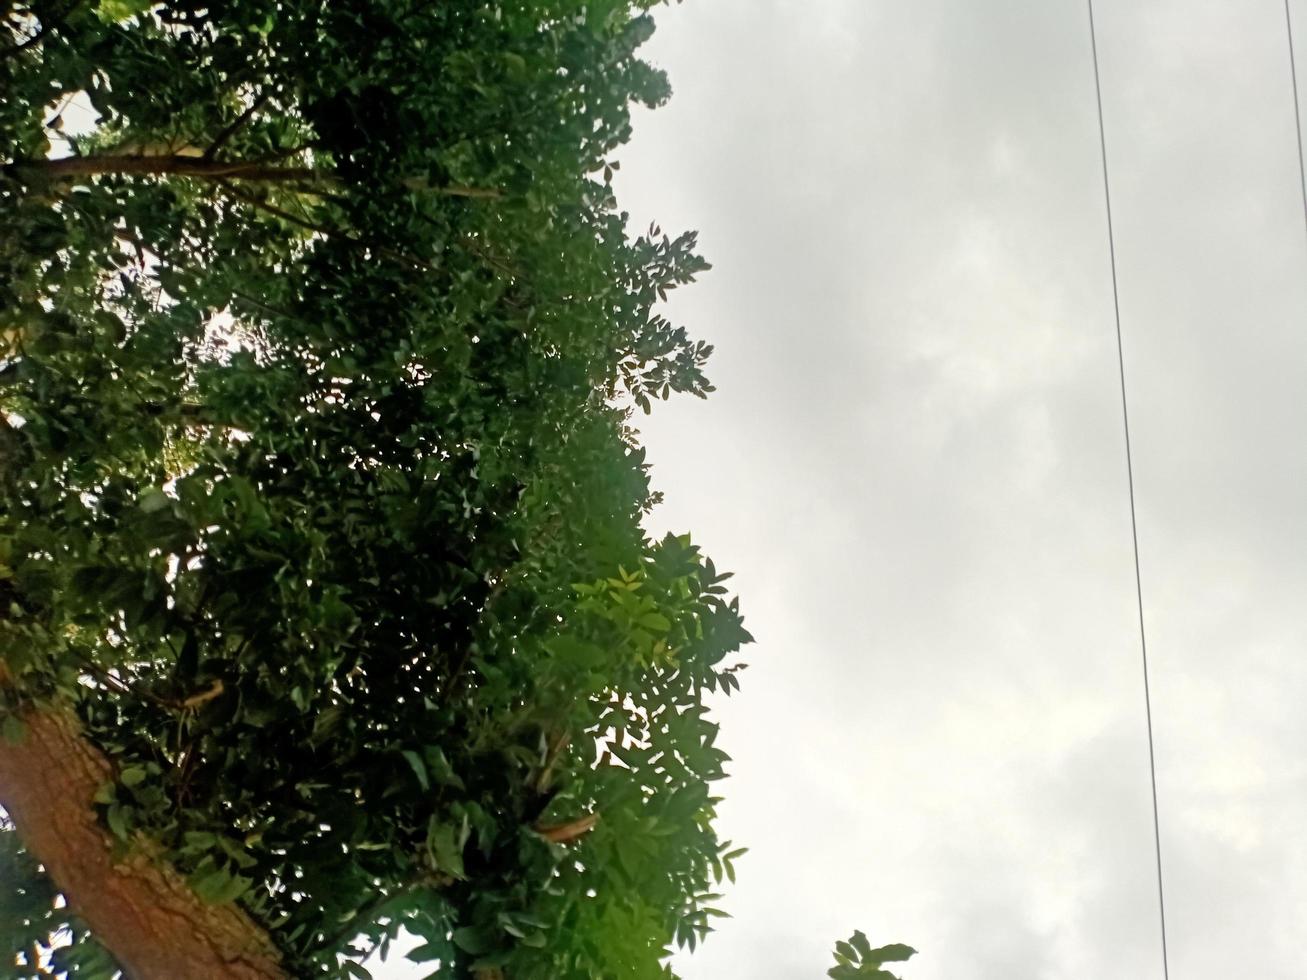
(163, 165)
(285, 215)
(206, 169)
(231, 130)
(557, 746)
(565, 833)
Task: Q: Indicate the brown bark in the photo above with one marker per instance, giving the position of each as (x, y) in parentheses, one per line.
(234, 127)
(141, 910)
(199, 166)
(162, 165)
(565, 833)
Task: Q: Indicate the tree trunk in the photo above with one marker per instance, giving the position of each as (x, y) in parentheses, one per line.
(139, 909)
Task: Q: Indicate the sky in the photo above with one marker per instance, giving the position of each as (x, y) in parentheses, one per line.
(915, 465)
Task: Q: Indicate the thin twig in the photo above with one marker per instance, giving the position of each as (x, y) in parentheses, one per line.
(229, 131)
(275, 311)
(270, 208)
(558, 745)
(323, 230)
(290, 151)
(473, 246)
(120, 686)
(565, 833)
(195, 700)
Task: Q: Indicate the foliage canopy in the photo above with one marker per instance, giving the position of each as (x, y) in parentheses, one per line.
(321, 504)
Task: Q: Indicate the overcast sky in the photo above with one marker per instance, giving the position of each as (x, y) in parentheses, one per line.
(915, 465)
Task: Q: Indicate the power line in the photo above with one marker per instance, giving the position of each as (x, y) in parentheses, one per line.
(1130, 475)
(1297, 115)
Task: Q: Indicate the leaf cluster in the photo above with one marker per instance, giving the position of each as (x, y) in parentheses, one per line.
(855, 959)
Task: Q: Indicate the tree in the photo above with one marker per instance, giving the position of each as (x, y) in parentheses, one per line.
(326, 610)
(327, 607)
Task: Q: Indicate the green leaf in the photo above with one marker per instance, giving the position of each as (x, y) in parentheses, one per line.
(474, 940)
(655, 621)
(198, 841)
(860, 943)
(236, 886)
(894, 953)
(208, 879)
(440, 768)
(445, 842)
(116, 11)
(12, 728)
(152, 500)
(426, 952)
(239, 856)
(118, 817)
(577, 652)
(418, 766)
(516, 63)
(216, 885)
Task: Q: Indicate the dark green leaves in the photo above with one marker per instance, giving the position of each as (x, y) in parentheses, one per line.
(446, 843)
(474, 941)
(152, 500)
(113, 11)
(856, 959)
(418, 766)
(431, 766)
(217, 884)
